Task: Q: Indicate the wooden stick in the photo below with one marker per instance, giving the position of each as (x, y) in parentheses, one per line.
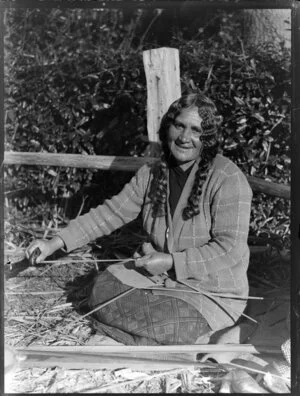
(200, 292)
(125, 349)
(216, 299)
(105, 362)
(70, 261)
(116, 356)
(107, 302)
(35, 293)
(61, 307)
(30, 317)
(254, 370)
(112, 356)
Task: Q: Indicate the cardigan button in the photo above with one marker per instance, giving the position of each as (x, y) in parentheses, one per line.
(167, 233)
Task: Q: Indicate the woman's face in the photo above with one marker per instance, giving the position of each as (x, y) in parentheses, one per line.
(183, 137)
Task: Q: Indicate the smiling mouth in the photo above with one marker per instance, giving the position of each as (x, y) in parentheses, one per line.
(183, 147)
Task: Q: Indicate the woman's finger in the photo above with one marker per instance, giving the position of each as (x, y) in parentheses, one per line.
(35, 256)
(139, 263)
(40, 258)
(142, 261)
(147, 248)
(136, 255)
(30, 249)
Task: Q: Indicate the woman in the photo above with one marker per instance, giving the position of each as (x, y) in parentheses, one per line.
(195, 207)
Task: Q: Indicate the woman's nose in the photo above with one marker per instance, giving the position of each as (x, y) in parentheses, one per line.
(185, 135)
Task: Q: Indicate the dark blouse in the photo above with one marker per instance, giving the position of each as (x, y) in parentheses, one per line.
(177, 180)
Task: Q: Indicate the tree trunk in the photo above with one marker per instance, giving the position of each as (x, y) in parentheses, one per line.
(263, 25)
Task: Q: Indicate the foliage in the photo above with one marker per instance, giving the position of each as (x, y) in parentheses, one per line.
(252, 89)
(75, 84)
(61, 101)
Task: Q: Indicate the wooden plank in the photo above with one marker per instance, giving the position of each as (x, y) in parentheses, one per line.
(121, 164)
(126, 349)
(269, 188)
(104, 162)
(163, 85)
(118, 356)
(68, 361)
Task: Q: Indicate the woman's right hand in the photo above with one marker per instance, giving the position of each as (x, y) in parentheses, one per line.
(146, 248)
(46, 248)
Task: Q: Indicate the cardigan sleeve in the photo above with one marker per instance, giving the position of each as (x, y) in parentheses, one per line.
(109, 216)
(230, 213)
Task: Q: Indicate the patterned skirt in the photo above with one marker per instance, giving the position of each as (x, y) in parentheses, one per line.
(142, 318)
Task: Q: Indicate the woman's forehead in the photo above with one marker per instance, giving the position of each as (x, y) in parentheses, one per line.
(190, 114)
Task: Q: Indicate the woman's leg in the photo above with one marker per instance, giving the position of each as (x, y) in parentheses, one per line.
(142, 318)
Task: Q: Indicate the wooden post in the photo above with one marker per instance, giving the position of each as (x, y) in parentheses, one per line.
(163, 87)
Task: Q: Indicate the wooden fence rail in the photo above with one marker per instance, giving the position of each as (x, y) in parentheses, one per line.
(103, 162)
(120, 164)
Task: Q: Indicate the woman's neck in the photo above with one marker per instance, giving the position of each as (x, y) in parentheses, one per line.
(186, 165)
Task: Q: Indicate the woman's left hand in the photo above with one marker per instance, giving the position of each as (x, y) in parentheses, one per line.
(155, 262)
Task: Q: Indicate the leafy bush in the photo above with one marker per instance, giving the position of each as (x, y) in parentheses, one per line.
(72, 89)
(252, 89)
(75, 84)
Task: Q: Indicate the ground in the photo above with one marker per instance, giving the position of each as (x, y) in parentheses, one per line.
(42, 307)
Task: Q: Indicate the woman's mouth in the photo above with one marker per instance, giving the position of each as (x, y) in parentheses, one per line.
(183, 147)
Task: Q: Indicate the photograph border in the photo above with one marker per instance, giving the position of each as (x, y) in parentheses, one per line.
(294, 5)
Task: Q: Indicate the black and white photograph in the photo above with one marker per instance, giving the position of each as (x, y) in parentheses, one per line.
(147, 173)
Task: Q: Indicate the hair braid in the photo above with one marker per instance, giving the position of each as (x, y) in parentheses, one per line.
(192, 208)
(159, 188)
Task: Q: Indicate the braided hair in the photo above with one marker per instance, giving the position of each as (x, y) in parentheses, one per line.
(210, 123)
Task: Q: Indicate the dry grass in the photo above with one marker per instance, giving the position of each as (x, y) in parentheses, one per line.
(57, 380)
(42, 307)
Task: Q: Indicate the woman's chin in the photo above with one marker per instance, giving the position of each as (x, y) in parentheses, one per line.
(183, 158)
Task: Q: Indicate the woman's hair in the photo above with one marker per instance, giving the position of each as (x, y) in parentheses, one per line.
(211, 121)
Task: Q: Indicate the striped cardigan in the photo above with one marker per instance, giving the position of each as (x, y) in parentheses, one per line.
(210, 251)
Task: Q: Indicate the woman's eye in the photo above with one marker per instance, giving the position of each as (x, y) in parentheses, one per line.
(197, 132)
(178, 126)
